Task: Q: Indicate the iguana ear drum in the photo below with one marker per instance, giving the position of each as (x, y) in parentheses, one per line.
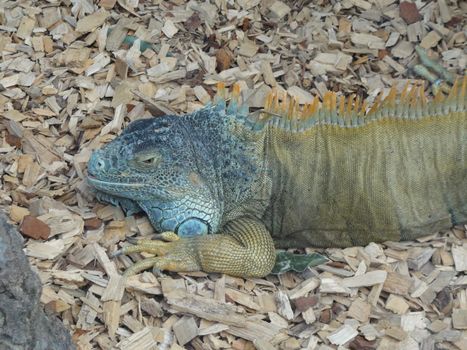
(193, 227)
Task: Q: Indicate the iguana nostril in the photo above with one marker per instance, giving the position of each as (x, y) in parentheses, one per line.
(100, 164)
(96, 163)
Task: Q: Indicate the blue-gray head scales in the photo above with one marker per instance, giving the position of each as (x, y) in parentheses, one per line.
(188, 173)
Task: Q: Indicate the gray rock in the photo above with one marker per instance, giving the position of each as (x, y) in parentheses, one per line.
(23, 324)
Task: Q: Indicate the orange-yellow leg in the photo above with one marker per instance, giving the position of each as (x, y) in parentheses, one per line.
(245, 249)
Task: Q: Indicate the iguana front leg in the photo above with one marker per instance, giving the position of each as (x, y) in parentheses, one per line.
(244, 248)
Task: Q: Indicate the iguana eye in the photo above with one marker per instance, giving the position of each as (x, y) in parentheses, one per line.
(148, 159)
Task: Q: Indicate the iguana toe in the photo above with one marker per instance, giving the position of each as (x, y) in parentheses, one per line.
(166, 263)
(174, 256)
(147, 246)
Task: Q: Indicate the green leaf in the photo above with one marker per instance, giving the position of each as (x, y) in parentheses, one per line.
(296, 262)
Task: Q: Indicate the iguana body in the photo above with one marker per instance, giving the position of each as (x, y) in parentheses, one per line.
(324, 175)
(389, 179)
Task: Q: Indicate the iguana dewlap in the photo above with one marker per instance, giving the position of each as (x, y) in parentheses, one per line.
(328, 174)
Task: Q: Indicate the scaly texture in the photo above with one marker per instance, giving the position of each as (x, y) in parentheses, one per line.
(243, 243)
(334, 173)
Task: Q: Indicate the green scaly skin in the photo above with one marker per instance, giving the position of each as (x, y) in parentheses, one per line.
(333, 179)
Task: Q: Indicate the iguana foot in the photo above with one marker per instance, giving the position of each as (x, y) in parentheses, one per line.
(245, 249)
(171, 255)
(434, 72)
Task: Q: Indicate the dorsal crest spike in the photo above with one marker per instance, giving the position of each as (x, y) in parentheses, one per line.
(404, 93)
(285, 102)
(362, 112)
(305, 111)
(314, 105)
(454, 91)
(350, 105)
(357, 104)
(219, 98)
(464, 88)
(390, 99)
(422, 96)
(309, 110)
(439, 97)
(236, 90)
(291, 108)
(341, 106)
(327, 100)
(462, 95)
(376, 103)
(268, 103)
(412, 95)
(221, 89)
(275, 104)
(411, 103)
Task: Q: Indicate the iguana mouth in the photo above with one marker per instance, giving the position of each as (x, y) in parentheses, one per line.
(96, 182)
(105, 185)
(118, 187)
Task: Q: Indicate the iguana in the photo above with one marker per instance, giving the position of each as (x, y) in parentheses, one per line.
(326, 174)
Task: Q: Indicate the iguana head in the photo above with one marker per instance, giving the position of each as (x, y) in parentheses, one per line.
(154, 163)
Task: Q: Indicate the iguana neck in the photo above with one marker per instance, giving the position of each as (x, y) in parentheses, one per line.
(230, 157)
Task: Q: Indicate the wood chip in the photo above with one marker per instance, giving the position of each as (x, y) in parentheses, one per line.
(185, 329)
(283, 305)
(169, 28)
(17, 213)
(397, 304)
(360, 310)
(248, 48)
(25, 27)
(34, 228)
(301, 95)
(241, 298)
(444, 11)
(143, 339)
(368, 279)
(91, 22)
(368, 40)
(397, 283)
(396, 333)
(206, 308)
(459, 254)
(304, 288)
(403, 49)
(409, 12)
(309, 316)
(223, 59)
(331, 285)
(459, 318)
(279, 9)
(342, 335)
(430, 40)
